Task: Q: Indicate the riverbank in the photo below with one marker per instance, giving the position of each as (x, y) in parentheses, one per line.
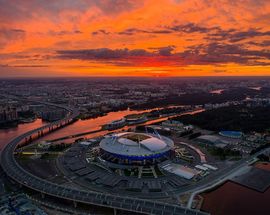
(234, 199)
(237, 199)
(80, 126)
(6, 135)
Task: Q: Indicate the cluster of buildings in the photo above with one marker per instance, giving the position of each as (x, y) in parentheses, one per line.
(94, 97)
(127, 120)
(177, 126)
(233, 140)
(51, 115)
(8, 114)
(18, 204)
(220, 140)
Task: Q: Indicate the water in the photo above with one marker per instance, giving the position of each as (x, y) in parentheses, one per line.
(217, 91)
(256, 88)
(6, 135)
(234, 199)
(79, 126)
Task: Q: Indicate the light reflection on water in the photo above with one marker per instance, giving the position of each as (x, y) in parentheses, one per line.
(6, 135)
(235, 199)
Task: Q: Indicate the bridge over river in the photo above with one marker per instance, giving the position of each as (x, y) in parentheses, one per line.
(28, 180)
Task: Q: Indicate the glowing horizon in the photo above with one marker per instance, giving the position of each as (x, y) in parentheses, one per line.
(147, 38)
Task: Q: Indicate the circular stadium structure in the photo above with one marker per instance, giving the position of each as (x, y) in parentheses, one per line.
(136, 148)
(231, 134)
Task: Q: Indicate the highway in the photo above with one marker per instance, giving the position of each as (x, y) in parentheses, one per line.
(23, 177)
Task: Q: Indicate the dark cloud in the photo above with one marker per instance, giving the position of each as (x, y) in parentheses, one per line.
(17, 9)
(164, 51)
(212, 53)
(117, 6)
(111, 54)
(189, 28)
(132, 31)
(29, 66)
(220, 53)
(3, 65)
(101, 31)
(64, 33)
(101, 54)
(123, 57)
(25, 56)
(261, 44)
(232, 35)
(220, 71)
(24, 65)
(212, 34)
(10, 35)
(217, 33)
(184, 28)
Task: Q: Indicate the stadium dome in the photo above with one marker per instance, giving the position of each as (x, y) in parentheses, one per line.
(231, 134)
(130, 147)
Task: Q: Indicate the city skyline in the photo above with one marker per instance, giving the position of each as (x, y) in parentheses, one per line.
(134, 38)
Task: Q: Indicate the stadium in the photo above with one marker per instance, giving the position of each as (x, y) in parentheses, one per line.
(130, 148)
(231, 134)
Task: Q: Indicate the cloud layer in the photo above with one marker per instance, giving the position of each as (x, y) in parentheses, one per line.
(194, 36)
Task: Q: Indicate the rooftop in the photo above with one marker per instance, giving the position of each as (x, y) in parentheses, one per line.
(136, 144)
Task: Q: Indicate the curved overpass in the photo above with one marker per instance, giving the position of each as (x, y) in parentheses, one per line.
(23, 177)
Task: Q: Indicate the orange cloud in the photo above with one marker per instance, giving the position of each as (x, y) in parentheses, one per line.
(144, 38)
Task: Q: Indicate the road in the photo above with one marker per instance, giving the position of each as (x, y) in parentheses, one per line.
(17, 173)
(23, 177)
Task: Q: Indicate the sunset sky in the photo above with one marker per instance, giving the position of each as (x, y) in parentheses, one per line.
(157, 38)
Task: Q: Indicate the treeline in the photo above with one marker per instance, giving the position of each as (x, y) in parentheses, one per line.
(199, 98)
(58, 147)
(26, 114)
(260, 148)
(223, 153)
(171, 110)
(239, 118)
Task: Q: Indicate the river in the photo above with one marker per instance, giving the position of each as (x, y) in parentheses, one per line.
(219, 91)
(230, 198)
(80, 126)
(234, 199)
(6, 135)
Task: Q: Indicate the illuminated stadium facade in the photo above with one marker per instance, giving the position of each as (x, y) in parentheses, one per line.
(131, 148)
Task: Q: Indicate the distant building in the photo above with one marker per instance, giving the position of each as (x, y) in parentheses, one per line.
(231, 134)
(14, 204)
(212, 140)
(180, 170)
(44, 145)
(172, 124)
(135, 119)
(8, 114)
(53, 115)
(115, 124)
(136, 148)
(36, 107)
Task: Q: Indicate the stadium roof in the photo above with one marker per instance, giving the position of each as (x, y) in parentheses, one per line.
(136, 144)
